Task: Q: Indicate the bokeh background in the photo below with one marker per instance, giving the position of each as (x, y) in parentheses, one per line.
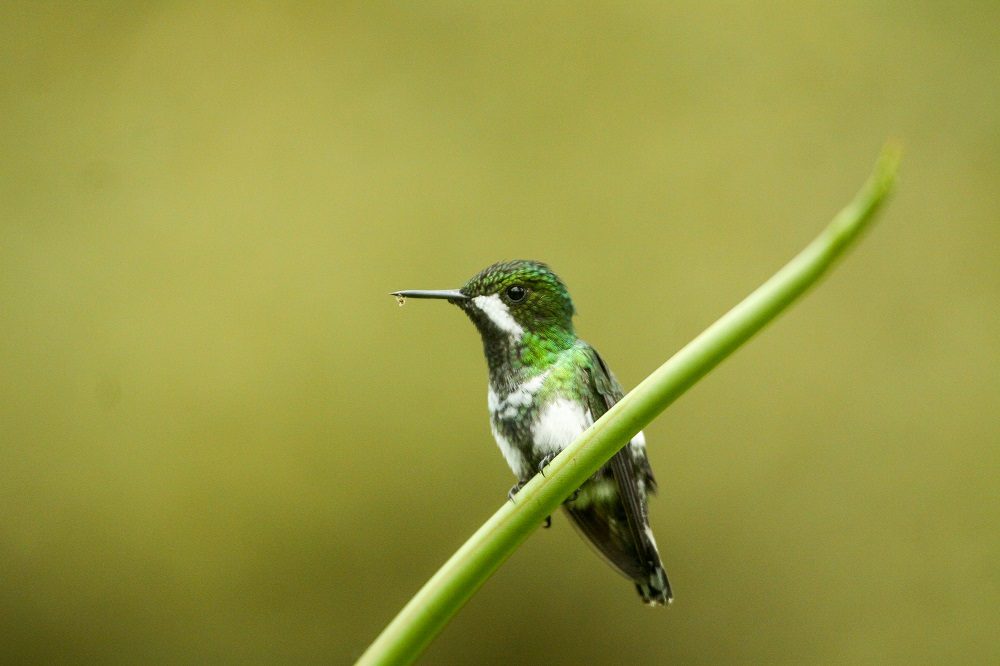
(221, 441)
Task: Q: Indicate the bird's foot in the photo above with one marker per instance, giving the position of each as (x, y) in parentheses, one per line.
(544, 462)
(514, 489)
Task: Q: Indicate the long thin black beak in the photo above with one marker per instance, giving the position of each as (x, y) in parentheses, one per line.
(446, 294)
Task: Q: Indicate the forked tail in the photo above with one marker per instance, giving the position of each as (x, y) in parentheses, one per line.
(655, 587)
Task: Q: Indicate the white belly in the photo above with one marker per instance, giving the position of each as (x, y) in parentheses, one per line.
(559, 423)
(515, 459)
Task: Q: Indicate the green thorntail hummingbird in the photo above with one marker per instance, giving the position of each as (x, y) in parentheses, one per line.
(546, 386)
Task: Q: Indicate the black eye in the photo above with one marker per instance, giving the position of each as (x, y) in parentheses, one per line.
(516, 293)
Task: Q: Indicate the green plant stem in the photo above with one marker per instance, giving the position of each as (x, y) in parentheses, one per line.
(446, 592)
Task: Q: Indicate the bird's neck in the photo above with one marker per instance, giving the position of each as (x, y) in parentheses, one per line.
(513, 361)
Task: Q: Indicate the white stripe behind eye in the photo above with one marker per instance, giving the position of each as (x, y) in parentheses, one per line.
(497, 311)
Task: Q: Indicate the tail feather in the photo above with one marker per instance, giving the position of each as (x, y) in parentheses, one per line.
(655, 589)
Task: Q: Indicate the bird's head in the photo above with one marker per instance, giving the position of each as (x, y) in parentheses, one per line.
(512, 302)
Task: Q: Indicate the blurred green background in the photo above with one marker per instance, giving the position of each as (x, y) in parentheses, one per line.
(221, 441)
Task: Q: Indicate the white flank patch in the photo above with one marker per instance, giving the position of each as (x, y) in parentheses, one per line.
(597, 492)
(638, 445)
(511, 454)
(560, 422)
(497, 311)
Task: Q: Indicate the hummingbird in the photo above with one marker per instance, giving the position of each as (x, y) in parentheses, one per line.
(546, 386)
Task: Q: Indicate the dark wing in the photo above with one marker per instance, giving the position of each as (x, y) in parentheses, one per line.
(605, 392)
(619, 529)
